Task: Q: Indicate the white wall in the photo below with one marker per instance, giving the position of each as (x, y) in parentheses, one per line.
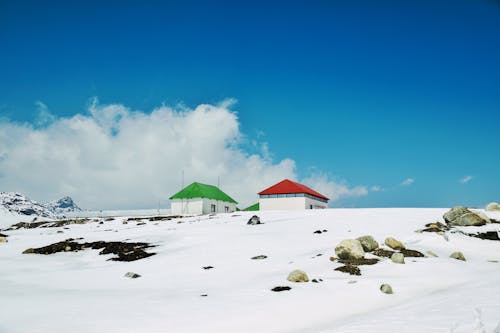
(293, 203)
(198, 206)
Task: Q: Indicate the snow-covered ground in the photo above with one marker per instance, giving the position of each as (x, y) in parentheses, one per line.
(82, 292)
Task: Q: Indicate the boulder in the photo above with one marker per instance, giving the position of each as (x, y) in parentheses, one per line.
(254, 220)
(350, 249)
(298, 276)
(493, 206)
(281, 288)
(3, 239)
(431, 254)
(461, 216)
(398, 258)
(386, 289)
(368, 243)
(457, 255)
(394, 244)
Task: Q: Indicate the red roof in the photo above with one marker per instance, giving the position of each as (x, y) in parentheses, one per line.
(288, 187)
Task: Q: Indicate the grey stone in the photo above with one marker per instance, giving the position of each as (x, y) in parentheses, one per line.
(350, 249)
(394, 244)
(132, 275)
(298, 276)
(457, 255)
(461, 216)
(493, 206)
(3, 240)
(386, 289)
(368, 243)
(254, 220)
(398, 258)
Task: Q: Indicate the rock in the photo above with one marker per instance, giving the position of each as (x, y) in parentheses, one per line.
(493, 206)
(358, 262)
(490, 235)
(315, 281)
(461, 216)
(28, 251)
(132, 275)
(207, 267)
(254, 220)
(67, 248)
(317, 232)
(368, 243)
(259, 257)
(281, 288)
(411, 253)
(398, 258)
(386, 289)
(482, 215)
(457, 255)
(297, 276)
(383, 253)
(393, 243)
(3, 239)
(431, 254)
(352, 270)
(350, 249)
(3, 235)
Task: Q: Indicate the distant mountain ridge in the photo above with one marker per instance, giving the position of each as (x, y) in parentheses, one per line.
(20, 204)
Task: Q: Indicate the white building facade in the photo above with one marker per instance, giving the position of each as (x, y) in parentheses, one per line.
(200, 206)
(289, 195)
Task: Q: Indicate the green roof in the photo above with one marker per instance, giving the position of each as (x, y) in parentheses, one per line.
(253, 207)
(198, 190)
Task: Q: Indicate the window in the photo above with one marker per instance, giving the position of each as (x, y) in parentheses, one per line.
(212, 208)
(226, 209)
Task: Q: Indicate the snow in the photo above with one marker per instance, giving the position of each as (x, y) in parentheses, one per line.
(82, 292)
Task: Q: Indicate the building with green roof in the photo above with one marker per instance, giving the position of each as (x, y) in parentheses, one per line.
(198, 198)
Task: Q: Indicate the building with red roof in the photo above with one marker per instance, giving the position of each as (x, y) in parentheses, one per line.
(290, 195)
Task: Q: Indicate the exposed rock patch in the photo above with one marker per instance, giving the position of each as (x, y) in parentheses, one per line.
(383, 253)
(461, 216)
(281, 288)
(411, 253)
(398, 258)
(132, 275)
(359, 262)
(457, 255)
(297, 276)
(254, 220)
(352, 270)
(349, 249)
(259, 257)
(493, 206)
(386, 289)
(123, 251)
(368, 243)
(394, 244)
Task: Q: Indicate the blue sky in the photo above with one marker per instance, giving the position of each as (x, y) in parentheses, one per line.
(368, 93)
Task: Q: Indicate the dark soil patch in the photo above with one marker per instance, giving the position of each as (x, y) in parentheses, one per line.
(353, 270)
(123, 251)
(383, 253)
(281, 288)
(259, 257)
(411, 253)
(358, 262)
(47, 224)
(490, 235)
(164, 218)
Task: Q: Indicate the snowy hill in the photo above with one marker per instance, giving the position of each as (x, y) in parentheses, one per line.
(177, 292)
(63, 206)
(19, 204)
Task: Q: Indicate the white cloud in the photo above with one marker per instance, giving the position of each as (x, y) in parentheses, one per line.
(333, 189)
(407, 182)
(466, 179)
(116, 158)
(44, 117)
(376, 188)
